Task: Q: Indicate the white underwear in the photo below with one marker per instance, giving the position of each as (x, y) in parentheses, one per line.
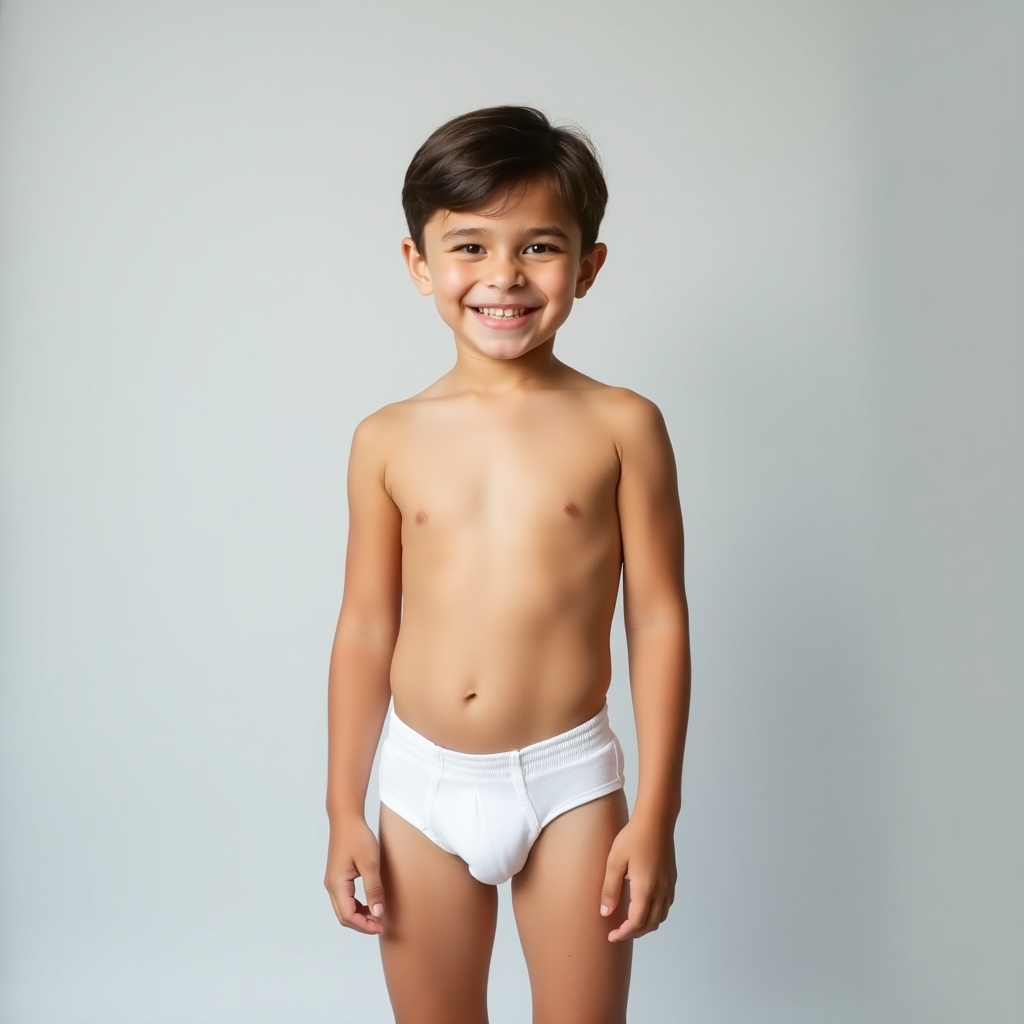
(489, 809)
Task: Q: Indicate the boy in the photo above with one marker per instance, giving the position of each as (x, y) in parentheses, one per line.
(490, 517)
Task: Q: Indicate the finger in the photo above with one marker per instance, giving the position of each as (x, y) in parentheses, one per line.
(357, 916)
(363, 921)
(337, 909)
(373, 889)
(657, 913)
(639, 906)
(611, 888)
(351, 913)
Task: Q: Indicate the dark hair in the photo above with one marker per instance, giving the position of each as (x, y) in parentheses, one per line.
(486, 153)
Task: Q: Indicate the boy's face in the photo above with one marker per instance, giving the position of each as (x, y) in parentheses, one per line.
(504, 276)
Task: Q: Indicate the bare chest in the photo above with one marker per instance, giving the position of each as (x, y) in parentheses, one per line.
(508, 475)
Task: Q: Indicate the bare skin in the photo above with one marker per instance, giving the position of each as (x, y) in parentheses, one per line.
(490, 519)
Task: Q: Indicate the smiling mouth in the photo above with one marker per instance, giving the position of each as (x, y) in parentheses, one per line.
(504, 313)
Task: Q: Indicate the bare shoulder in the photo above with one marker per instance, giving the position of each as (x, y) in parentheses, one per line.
(625, 405)
(382, 429)
(374, 442)
(630, 418)
(381, 440)
(370, 443)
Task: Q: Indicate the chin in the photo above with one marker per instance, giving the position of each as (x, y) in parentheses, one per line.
(503, 355)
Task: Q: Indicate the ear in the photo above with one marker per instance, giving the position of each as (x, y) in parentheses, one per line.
(417, 264)
(589, 266)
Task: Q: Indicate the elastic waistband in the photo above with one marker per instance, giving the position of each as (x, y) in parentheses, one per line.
(546, 755)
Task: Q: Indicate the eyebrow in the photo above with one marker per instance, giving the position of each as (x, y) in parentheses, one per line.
(549, 230)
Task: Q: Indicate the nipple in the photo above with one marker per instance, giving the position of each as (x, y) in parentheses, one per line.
(572, 510)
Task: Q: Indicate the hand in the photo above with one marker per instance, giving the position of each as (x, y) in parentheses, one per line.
(353, 853)
(643, 852)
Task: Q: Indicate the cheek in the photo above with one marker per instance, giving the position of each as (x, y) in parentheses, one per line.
(561, 281)
(452, 280)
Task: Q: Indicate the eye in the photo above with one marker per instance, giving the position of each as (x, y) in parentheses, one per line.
(540, 248)
(471, 249)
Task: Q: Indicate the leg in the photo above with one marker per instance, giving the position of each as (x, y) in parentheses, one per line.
(577, 975)
(439, 926)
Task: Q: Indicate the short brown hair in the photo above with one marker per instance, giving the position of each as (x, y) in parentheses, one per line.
(486, 153)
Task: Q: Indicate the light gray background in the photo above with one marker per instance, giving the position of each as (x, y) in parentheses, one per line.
(816, 270)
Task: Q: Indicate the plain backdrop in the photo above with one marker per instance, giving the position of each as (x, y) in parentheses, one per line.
(816, 236)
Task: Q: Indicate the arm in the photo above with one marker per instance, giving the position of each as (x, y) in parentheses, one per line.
(359, 687)
(657, 636)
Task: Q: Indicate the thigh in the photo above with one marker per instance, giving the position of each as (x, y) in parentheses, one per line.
(577, 975)
(438, 929)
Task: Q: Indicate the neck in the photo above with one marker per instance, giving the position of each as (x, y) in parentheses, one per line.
(476, 372)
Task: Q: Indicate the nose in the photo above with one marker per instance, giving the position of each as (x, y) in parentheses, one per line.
(504, 272)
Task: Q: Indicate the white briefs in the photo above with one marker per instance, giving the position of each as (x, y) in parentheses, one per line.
(489, 809)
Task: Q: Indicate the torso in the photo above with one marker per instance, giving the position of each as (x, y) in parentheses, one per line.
(511, 558)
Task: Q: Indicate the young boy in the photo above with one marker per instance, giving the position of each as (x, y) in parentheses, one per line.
(490, 517)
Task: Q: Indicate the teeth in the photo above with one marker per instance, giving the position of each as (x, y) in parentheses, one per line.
(502, 314)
